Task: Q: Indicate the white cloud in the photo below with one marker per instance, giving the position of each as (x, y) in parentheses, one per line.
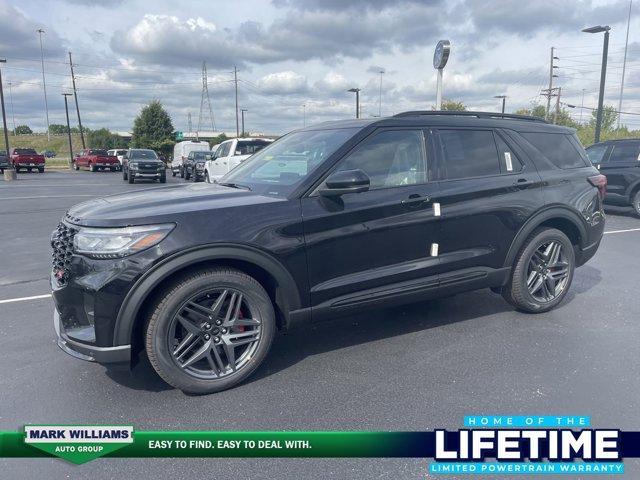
(283, 83)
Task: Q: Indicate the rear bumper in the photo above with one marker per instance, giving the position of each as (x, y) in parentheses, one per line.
(583, 255)
(91, 353)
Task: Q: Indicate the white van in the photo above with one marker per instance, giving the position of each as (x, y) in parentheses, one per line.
(181, 152)
(117, 152)
(231, 153)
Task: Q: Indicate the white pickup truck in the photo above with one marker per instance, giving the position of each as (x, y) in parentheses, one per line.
(231, 153)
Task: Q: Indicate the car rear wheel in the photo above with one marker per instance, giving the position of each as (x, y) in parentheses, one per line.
(92, 167)
(173, 173)
(41, 170)
(163, 178)
(124, 175)
(75, 166)
(131, 178)
(29, 169)
(636, 203)
(210, 331)
(181, 172)
(542, 272)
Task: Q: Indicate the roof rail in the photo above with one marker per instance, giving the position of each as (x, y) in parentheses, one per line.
(456, 113)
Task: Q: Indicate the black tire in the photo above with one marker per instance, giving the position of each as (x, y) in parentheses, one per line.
(181, 172)
(41, 170)
(75, 166)
(187, 175)
(92, 167)
(124, 175)
(636, 203)
(131, 178)
(517, 292)
(158, 329)
(173, 173)
(16, 168)
(206, 177)
(29, 169)
(163, 178)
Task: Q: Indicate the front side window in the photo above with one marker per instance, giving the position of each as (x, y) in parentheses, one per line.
(280, 167)
(223, 150)
(596, 153)
(249, 147)
(391, 158)
(624, 153)
(468, 153)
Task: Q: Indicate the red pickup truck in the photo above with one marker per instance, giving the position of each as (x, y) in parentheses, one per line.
(95, 159)
(26, 158)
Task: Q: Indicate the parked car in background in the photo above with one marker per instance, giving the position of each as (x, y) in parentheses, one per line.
(181, 151)
(230, 154)
(26, 158)
(4, 161)
(329, 220)
(619, 161)
(118, 153)
(95, 159)
(139, 163)
(48, 153)
(194, 165)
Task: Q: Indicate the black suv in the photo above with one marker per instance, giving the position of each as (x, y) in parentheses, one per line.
(193, 165)
(140, 163)
(619, 160)
(326, 221)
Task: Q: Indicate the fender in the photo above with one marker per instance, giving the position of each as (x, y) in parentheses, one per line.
(139, 292)
(551, 212)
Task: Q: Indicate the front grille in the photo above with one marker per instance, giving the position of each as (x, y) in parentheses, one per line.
(62, 245)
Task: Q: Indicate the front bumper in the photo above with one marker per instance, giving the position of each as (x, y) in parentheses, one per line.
(137, 174)
(91, 353)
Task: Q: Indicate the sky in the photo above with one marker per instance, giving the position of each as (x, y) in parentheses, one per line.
(296, 59)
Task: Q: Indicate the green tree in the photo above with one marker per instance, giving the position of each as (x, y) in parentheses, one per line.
(23, 130)
(453, 105)
(103, 138)
(57, 129)
(153, 129)
(536, 110)
(609, 117)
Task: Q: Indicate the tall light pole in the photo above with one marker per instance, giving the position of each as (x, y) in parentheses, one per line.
(242, 110)
(4, 116)
(380, 95)
(581, 106)
(304, 115)
(66, 110)
(603, 73)
(44, 83)
(13, 114)
(624, 63)
(504, 98)
(357, 92)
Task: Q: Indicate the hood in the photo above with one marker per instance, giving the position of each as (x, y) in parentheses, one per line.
(145, 160)
(160, 205)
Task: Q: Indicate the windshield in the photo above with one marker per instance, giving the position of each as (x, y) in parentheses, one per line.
(279, 168)
(201, 155)
(97, 152)
(25, 151)
(249, 147)
(143, 154)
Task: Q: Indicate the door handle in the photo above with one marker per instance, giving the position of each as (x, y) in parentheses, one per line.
(522, 183)
(415, 200)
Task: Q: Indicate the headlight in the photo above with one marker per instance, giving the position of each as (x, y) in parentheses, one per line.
(199, 166)
(133, 166)
(119, 242)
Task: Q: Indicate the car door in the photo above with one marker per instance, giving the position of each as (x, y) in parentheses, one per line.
(487, 192)
(221, 161)
(374, 246)
(622, 169)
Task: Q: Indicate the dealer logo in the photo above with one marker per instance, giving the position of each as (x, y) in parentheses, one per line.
(78, 443)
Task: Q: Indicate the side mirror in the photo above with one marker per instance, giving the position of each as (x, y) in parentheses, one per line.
(347, 181)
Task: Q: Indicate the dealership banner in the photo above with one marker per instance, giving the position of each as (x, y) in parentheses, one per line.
(486, 445)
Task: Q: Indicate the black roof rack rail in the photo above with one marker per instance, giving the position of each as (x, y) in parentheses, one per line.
(456, 113)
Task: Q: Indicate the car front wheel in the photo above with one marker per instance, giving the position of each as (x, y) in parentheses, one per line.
(636, 203)
(210, 330)
(542, 272)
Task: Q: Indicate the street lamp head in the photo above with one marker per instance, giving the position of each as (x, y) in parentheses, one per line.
(40, 30)
(597, 29)
(499, 96)
(354, 90)
(3, 60)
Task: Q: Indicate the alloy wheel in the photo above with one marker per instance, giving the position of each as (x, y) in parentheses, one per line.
(214, 334)
(548, 272)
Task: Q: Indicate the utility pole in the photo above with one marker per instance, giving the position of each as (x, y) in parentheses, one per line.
(380, 95)
(235, 80)
(13, 114)
(504, 98)
(581, 106)
(624, 63)
(557, 114)
(205, 102)
(242, 110)
(357, 92)
(40, 31)
(603, 73)
(190, 127)
(304, 115)
(66, 109)
(75, 96)
(551, 77)
(4, 116)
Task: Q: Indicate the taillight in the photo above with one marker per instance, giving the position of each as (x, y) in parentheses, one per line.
(599, 181)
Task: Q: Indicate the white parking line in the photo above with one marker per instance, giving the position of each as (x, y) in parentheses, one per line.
(24, 299)
(623, 231)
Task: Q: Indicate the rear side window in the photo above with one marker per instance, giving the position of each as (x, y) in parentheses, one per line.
(468, 153)
(596, 153)
(624, 153)
(556, 147)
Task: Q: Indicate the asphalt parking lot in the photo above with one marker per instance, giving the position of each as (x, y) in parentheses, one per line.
(416, 368)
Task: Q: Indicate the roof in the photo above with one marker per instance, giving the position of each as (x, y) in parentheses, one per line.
(448, 118)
